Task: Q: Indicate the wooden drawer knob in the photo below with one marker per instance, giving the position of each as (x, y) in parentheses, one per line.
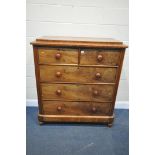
(99, 58)
(59, 108)
(95, 93)
(58, 56)
(58, 74)
(58, 92)
(94, 109)
(98, 75)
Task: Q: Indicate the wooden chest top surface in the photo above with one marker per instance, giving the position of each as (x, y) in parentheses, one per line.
(78, 41)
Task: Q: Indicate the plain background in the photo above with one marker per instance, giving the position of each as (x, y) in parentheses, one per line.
(13, 73)
(87, 18)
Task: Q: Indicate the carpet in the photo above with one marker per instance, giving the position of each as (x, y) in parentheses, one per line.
(77, 139)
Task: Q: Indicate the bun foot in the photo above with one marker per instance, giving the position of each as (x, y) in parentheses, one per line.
(41, 123)
(109, 125)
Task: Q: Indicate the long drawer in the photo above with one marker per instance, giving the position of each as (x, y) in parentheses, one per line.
(75, 108)
(75, 92)
(75, 74)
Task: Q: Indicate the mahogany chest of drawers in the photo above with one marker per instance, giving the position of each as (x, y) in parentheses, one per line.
(77, 78)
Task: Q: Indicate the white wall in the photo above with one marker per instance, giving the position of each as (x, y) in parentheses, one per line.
(88, 18)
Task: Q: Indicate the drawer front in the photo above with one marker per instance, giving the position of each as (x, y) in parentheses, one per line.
(58, 56)
(75, 108)
(100, 57)
(74, 74)
(75, 92)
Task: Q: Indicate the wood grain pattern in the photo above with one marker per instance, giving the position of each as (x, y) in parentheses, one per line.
(117, 79)
(75, 108)
(67, 56)
(79, 42)
(78, 119)
(78, 39)
(77, 74)
(37, 74)
(109, 57)
(77, 79)
(77, 92)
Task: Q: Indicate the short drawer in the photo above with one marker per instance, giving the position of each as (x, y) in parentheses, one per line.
(75, 108)
(75, 74)
(77, 92)
(58, 56)
(100, 57)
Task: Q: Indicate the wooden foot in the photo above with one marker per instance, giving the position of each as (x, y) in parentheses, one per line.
(41, 123)
(109, 125)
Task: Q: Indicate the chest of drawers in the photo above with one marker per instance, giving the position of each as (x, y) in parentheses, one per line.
(77, 78)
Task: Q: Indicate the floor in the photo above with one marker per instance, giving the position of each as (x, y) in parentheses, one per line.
(77, 139)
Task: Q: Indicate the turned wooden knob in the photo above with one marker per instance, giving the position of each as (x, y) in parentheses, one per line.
(58, 74)
(95, 92)
(99, 57)
(58, 56)
(98, 75)
(59, 108)
(58, 92)
(94, 109)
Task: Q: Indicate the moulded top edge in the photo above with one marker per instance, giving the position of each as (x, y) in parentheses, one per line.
(78, 41)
